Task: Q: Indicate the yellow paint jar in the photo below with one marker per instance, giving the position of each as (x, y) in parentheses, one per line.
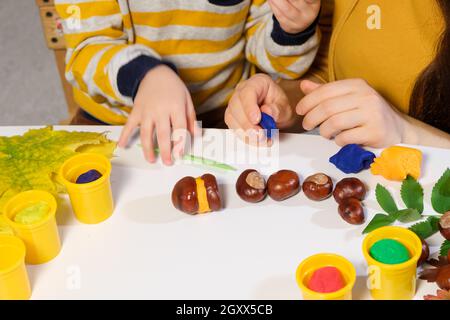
(14, 283)
(392, 281)
(91, 202)
(41, 239)
(306, 269)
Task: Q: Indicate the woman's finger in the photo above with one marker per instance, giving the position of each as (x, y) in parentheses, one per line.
(164, 140)
(341, 122)
(328, 91)
(147, 140)
(328, 109)
(356, 135)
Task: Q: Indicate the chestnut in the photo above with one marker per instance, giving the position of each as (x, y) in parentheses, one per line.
(318, 187)
(351, 210)
(251, 186)
(444, 225)
(425, 252)
(349, 188)
(283, 184)
(443, 277)
(197, 195)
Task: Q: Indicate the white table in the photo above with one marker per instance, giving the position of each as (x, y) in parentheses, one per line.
(149, 250)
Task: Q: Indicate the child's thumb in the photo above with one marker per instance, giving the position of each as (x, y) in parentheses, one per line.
(308, 86)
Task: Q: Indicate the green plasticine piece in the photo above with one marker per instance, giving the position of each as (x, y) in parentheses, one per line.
(205, 162)
(389, 251)
(32, 214)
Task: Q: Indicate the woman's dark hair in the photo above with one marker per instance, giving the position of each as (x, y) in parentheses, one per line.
(430, 99)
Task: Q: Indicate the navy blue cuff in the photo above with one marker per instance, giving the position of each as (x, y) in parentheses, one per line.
(130, 75)
(284, 38)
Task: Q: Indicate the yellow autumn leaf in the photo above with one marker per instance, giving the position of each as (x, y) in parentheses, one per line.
(31, 161)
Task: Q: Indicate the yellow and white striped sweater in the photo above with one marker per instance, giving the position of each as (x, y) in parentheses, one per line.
(213, 44)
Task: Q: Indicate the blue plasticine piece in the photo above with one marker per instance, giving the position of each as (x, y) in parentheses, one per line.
(352, 159)
(88, 176)
(267, 123)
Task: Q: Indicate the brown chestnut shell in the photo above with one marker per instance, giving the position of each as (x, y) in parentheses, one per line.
(184, 195)
(443, 277)
(425, 253)
(212, 192)
(251, 186)
(444, 225)
(318, 187)
(352, 211)
(349, 188)
(283, 184)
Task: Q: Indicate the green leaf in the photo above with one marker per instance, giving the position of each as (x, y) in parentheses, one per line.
(440, 196)
(378, 221)
(408, 215)
(426, 228)
(385, 199)
(412, 194)
(445, 248)
(32, 160)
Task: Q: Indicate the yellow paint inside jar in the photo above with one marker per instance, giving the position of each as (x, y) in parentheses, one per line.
(32, 214)
(203, 205)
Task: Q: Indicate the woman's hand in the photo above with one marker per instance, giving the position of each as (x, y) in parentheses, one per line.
(258, 94)
(350, 111)
(162, 104)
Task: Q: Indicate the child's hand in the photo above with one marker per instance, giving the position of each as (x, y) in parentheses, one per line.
(258, 94)
(162, 104)
(350, 111)
(295, 16)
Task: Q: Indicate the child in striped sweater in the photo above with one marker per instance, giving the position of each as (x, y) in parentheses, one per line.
(147, 63)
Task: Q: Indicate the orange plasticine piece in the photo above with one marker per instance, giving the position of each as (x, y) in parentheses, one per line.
(396, 163)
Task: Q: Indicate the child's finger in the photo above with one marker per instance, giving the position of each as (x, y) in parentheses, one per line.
(164, 141)
(329, 108)
(286, 9)
(251, 136)
(179, 123)
(127, 131)
(147, 140)
(243, 120)
(303, 5)
(192, 117)
(249, 101)
(341, 122)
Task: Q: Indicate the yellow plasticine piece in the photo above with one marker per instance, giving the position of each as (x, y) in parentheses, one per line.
(396, 163)
(203, 205)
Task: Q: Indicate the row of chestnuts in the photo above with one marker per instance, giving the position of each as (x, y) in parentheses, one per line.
(251, 186)
(349, 193)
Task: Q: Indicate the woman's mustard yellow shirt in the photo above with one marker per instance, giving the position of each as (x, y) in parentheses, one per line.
(386, 42)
